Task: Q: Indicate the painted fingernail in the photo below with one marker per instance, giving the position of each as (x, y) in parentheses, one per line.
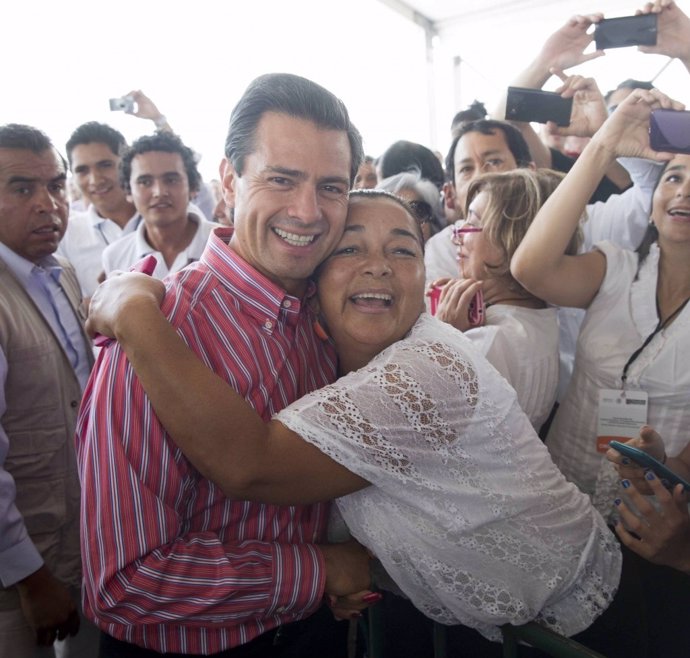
(649, 475)
(374, 597)
(625, 461)
(617, 502)
(666, 483)
(625, 484)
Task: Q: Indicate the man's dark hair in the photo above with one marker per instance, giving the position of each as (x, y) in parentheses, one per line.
(474, 112)
(514, 140)
(101, 133)
(20, 136)
(630, 83)
(292, 95)
(408, 156)
(166, 142)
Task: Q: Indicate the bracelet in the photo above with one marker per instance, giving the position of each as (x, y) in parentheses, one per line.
(160, 121)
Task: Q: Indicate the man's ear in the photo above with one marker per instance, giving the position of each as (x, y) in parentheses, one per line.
(532, 165)
(448, 196)
(228, 182)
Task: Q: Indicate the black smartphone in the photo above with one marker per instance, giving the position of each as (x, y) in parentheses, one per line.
(537, 105)
(669, 130)
(626, 31)
(641, 458)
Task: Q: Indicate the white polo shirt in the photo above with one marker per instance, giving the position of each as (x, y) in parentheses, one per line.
(87, 235)
(124, 253)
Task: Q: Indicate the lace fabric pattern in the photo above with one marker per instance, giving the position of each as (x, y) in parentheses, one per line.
(467, 513)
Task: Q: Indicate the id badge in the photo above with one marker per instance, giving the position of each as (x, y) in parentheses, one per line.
(621, 414)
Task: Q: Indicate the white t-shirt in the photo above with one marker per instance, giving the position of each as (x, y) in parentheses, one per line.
(522, 344)
(87, 235)
(619, 319)
(467, 513)
(132, 248)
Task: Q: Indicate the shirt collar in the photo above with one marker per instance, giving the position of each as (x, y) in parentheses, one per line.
(23, 268)
(96, 220)
(143, 248)
(262, 298)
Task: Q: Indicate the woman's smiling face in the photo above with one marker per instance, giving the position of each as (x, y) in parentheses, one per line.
(371, 288)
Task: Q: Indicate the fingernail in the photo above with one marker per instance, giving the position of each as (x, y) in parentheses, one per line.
(666, 483)
(374, 597)
(625, 461)
(617, 502)
(649, 475)
(625, 484)
(355, 615)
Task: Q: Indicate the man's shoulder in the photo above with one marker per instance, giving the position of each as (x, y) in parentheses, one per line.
(116, 250)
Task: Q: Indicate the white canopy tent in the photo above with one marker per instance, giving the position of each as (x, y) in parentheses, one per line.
(474, 49)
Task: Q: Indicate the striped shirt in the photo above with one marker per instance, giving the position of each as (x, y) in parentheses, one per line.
(169, 563)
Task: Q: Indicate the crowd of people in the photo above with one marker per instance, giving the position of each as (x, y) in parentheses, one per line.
(350, 381)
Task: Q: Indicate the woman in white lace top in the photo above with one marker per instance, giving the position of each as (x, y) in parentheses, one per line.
(434, 466)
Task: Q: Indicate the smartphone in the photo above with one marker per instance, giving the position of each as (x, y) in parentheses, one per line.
(434, 296)
(669, 130)
(475, 314)
(626, 31)
(146, 266)
(536, 105)
(476, 311)
(122, 104)
(641, 458)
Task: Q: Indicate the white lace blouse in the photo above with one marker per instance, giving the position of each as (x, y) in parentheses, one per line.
(466, 512)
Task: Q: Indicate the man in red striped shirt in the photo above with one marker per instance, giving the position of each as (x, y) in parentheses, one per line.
(170, 564)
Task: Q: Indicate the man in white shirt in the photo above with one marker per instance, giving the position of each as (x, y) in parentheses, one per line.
(160, 175)
(93, 151)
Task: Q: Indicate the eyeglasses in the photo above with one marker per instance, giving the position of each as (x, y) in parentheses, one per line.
(423, 212)
(461, 228)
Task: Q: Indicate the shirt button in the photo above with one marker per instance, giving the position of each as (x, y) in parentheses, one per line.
(268, 324)
(74, 404)
(287, 303)
(280, 609)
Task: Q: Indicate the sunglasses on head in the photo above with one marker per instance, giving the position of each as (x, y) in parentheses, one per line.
(423, 212)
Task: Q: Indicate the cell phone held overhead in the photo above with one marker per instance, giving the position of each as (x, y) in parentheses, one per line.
(122, 104)
(528, 105)
(669, 131)
(626, 31)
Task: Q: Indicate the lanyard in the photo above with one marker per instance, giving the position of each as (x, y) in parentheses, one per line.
(659, 327)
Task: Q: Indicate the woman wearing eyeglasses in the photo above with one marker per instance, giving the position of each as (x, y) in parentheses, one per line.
(633, 351)
(515, 330)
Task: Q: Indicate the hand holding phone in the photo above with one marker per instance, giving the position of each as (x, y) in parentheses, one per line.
(146, 265)
(475, 313)
(641, 458)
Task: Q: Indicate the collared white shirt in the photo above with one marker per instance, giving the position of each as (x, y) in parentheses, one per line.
(87, 235)
(124, 253)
